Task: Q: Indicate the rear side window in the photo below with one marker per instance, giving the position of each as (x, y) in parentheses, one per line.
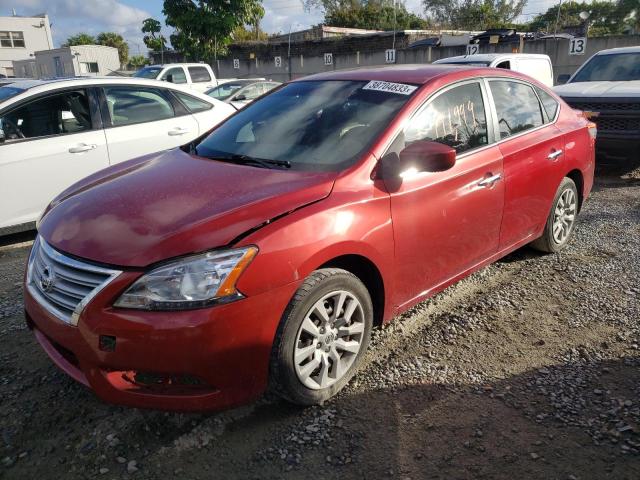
(137, 105)
(549, 103)
(193, 104)
(199, 74)
(517, 107)
(455, 118)
(58, 114)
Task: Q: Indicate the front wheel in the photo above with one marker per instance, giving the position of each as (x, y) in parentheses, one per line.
(562, 219)
(322, 337)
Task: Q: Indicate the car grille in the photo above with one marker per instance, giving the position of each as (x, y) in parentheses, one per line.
(603, 107)
(615, 117)
(61, 284)
(617, 124)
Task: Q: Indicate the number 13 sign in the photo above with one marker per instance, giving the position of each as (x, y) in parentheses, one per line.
(577, 46)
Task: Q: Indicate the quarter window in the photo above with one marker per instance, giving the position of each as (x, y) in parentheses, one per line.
(199, 74)
(517, 107)
(549, 103)
(455, 118)
(63, 113)
(193, 104)
(175, 75)
(129, 105)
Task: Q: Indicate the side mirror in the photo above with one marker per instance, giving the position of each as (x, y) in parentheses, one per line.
(169, 78)
(562, 79)
(422, 156)
(240, 98)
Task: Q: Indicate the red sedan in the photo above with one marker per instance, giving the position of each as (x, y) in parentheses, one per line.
(263, 254)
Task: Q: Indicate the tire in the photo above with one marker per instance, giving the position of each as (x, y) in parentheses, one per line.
(322, 291)
(564, 209)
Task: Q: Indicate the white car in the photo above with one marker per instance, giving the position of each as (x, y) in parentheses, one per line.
(535, 65)
(55, 132)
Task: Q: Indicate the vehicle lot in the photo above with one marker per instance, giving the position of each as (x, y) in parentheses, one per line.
(527, 369)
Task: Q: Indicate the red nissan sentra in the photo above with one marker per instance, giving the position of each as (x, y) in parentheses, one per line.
(263, 254)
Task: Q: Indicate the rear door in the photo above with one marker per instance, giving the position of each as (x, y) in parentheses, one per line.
(141, 120)
(447, 222)
(49, 143)
(532, 148)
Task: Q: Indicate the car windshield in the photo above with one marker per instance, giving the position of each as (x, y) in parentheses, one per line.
(148, 72)
(9, 91)
(309, 125)
(619, 67)
(224, 91)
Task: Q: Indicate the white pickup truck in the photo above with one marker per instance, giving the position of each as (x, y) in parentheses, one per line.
(198, 76)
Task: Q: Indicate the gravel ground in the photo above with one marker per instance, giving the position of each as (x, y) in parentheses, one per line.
(527, 369)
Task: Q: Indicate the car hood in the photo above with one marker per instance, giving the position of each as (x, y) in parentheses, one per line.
(599, 89)
(170, 204)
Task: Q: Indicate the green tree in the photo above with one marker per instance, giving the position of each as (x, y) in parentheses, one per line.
(153, 40)
(79, 39)
(244, 34)
(115, 40)
(605, 18)
(375, 16)
(204, 28)
(138, 61)
(473, 14)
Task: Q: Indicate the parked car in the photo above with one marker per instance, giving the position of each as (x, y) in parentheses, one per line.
(198, 76)
(265, 252)
(53, 133)
(532, 64)
(241, 92)
(607, 87)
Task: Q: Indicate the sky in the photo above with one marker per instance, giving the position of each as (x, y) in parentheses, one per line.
(70, 17)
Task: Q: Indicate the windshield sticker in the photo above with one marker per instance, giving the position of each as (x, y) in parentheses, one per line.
(399, 88)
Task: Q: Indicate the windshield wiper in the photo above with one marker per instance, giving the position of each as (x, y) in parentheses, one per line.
(249, 160)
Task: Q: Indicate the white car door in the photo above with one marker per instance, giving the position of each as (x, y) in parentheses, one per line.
(46, 145)
(144, 120)
(201, 79)
(208, 113)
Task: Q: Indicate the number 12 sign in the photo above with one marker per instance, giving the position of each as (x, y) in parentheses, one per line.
(577, 46)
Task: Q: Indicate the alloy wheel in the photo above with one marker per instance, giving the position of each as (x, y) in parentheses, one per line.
(564, 216)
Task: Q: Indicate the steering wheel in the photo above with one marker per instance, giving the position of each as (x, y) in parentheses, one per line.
(14, 127)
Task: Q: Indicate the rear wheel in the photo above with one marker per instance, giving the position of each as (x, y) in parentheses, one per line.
(322, 337)
(562, 219)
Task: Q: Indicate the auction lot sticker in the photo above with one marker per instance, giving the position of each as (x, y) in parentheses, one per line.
(399, 88)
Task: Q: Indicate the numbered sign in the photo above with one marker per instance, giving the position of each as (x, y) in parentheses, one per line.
(473, 49)
(236, 63)
(577, 45)
(277, 61)
(328, 58)
(390, 55)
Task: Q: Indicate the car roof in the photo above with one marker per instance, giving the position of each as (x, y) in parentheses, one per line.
(163, 65)
(489, 57)
(416, 74)
(613, 51)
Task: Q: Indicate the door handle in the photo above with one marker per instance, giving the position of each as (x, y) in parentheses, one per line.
(489, 181)
(178, 131)
(555, 154)
(83, 147)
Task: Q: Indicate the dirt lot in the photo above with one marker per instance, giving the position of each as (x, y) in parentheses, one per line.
(528, 369)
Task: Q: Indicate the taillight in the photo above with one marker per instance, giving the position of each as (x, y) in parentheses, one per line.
(593, 130)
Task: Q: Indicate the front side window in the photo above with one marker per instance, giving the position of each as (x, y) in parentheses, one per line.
(174, 75)
(137, 105)
(455, 118)
(199, 74)
(224, 91)
(312, 125)
(517, 107)
(619, 67)
(250, 93)
(63, 113)
(549, 103)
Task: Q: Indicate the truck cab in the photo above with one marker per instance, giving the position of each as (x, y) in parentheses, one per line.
(198, 76)
(535, 65)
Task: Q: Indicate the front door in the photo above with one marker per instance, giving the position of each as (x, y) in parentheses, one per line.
(533, 161)
(447, 222)
(46, 145)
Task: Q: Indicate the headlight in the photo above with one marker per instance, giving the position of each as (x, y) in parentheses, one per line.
(190, 282)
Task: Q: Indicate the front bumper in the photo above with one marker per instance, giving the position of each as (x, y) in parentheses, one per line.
(223, 352)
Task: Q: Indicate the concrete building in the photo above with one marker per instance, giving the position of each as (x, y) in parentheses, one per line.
(21, 37)
(84, 60)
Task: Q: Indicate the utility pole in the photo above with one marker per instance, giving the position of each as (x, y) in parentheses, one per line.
(393, 46)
